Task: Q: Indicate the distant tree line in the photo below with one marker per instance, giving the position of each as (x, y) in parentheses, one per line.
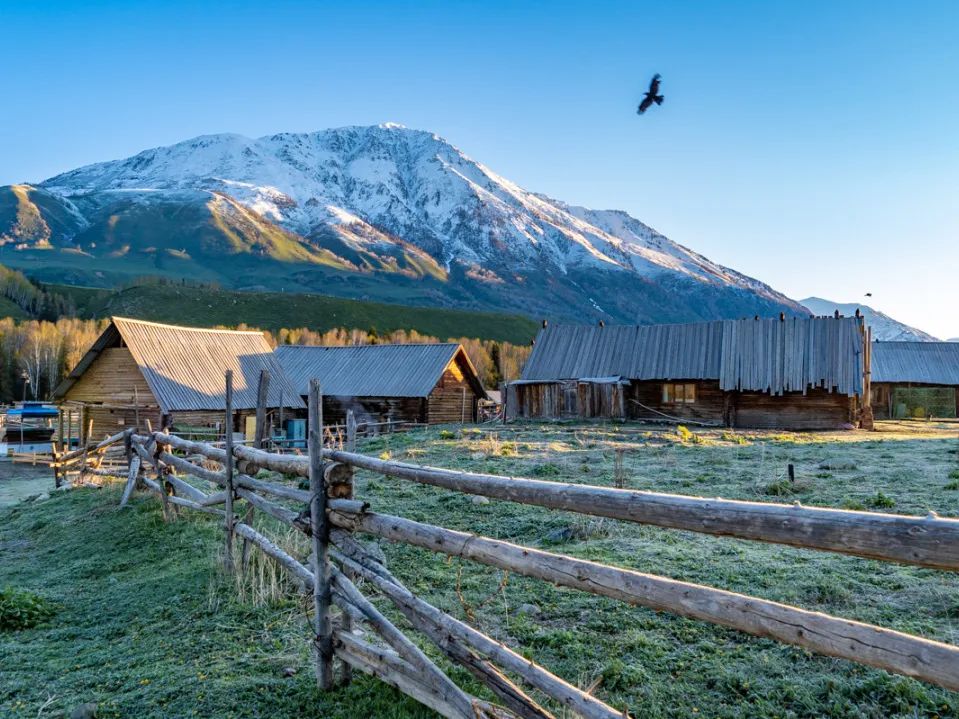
(33, 298)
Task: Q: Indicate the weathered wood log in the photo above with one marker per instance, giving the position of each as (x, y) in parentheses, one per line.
(283, 463)
(303, 575)
(287, 516)
(420, 613)
(512, 696)
(926, 541)
(228, 561)
(320, 535)
(389, 668)
(887, 649)
(67, 457)
(188, 490)
(279, 490)
(262, 390)
(411, 653)
(217, 454)
(214, 499)
(181, 502)
(132, 476)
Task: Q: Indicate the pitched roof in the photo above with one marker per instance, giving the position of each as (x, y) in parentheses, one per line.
(759, 355)
(919, 362)
(407, 370)
(184, 366)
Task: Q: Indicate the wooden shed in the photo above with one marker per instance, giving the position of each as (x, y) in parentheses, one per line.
(424, 383)
(172, 376)
(800, 373)
(915, 379)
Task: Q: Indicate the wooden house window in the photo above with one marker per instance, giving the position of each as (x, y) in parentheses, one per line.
(679, 393)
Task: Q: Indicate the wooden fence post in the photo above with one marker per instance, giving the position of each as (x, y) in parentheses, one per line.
(228, 563)
(320, 529)
(262, 391)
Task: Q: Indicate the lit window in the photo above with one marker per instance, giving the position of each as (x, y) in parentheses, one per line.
(679, 393)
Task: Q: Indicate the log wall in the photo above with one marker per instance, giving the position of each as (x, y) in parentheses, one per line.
(817, 409)
(109, 390)
(708, 407)
(453, 399)
(374, 409)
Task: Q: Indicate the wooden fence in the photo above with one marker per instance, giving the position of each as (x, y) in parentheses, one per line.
(331, 516)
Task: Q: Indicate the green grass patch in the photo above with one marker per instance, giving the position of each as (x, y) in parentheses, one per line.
(21, 609)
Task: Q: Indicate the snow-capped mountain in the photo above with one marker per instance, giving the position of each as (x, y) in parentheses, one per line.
(385, 210)
(884, 327)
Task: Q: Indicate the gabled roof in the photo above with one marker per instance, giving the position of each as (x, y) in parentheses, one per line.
(401, 370)
(767, 355)
(918, 362)
(185, 366)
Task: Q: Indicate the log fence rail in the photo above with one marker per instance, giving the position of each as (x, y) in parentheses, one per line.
(331, 517)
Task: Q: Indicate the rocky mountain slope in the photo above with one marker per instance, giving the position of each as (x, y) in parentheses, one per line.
(379, 212)
(884, 327)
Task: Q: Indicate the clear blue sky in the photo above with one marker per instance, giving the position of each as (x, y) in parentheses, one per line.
(814, 145)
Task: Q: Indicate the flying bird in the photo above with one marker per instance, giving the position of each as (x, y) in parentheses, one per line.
(652, 95)
(869, 294)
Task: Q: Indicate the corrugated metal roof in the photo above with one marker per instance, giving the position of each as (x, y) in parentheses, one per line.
(760, 355)
(919, 362)
(184, 366)
(401, 370)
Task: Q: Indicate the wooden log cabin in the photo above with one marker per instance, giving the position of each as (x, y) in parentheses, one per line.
(790, 373)
(915, 379)
(138, 372)
(420, 383)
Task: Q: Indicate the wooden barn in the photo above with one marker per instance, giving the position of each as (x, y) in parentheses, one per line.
(915, 379)
(799, 373)
(424, 383)
(138, 371)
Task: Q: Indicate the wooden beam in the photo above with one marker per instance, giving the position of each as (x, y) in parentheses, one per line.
(320, 529)
(228, 562)
(262, 391)
(927, 541)
(887, 649)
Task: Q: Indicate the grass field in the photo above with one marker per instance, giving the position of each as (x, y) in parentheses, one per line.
(206, 307)
(148, 627)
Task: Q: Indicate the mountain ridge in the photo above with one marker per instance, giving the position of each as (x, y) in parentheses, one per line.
(884, 327)
(384, 210)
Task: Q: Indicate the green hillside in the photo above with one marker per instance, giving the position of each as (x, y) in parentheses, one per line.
(206, 306)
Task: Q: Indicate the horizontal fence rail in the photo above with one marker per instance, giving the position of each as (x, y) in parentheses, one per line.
(929, 541)
(330, 515)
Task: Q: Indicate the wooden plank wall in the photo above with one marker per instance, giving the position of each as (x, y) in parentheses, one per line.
(816, 409)
(708, 406)
(373, 409)
(114, 381)
(453, 400)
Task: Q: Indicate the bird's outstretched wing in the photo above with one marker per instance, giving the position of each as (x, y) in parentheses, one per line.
(654, 84)
(644, 105)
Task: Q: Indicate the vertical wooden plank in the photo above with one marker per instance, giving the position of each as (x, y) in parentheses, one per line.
(262, 392)
(322, 594)
(228, 563)
(136, 409)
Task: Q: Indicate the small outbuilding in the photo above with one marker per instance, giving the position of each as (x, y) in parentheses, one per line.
(915, 379)
(418, 383)
(799, 373)
(138, 372)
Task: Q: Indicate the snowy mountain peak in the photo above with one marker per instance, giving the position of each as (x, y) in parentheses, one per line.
(387, 198)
